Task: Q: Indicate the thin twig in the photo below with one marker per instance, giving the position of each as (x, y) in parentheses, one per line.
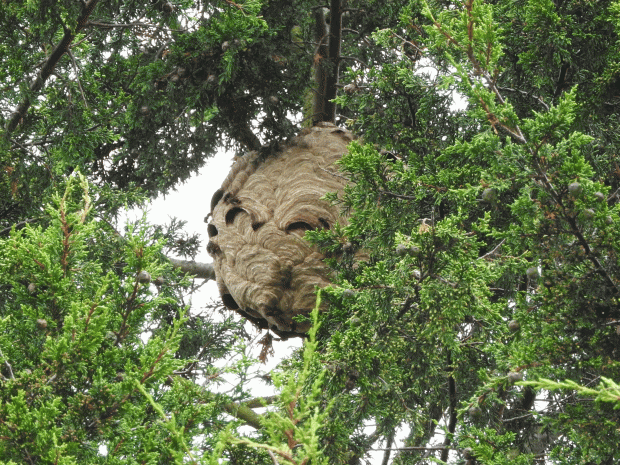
(34, 155)
(353, 59)
(273, 457)
(396, 196)
(111, 26)
(527, 415)
(8, 365)
(408, 42)
(452, 410)
(18, 225)
(161, 49)
(527, 94)
(77, 77)
(413, 448)
(333, 173)
(493, 252)
(234, 4)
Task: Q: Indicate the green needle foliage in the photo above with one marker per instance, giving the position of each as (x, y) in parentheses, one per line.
(72, 340)
(492, 252)
(474, 314)
(294, 436)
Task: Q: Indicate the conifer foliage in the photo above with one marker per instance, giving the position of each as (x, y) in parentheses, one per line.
(482, 325)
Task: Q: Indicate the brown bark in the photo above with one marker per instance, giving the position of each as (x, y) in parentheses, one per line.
(335, 33)
(321, 37)
(48, 66)
(327, 62)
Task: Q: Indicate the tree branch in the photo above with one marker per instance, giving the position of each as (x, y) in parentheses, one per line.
(388, 448)
(111, 25)
(259, 402)
(320, 66)
(526, 94)
(243, 412)
(412, 448)
(19, 225)
(8, 365)
(335, 37)
(453, 413)
(199, 270)
(48, 67)
(234, 110)
(493, 252)
(273, 457)
(77, 77)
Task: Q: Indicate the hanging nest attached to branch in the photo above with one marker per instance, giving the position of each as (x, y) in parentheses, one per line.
(264, 268)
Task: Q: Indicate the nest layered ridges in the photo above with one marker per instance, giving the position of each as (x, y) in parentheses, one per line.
(264, 268)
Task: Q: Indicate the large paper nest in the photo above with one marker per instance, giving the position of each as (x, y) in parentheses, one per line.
(264, 268)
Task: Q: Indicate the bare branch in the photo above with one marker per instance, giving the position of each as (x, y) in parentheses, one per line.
(199, 270)
(112, 26)
(244, 413)
(397, 196)
(321, 54)
(527, 415)
(526, 94)
(8, 365)
(388, 448)
(352, 59)
(413, 448)
(161, 49)
(493, 252)
(77, 77)
(259, 402)
(48, 67)
(335, 38)
(273, 457)
(18, 225)
(240, 7)
(453, 413)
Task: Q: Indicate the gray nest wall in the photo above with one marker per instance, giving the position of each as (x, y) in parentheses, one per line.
(264, 268)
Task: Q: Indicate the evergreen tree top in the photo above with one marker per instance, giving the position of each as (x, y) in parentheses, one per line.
(482, 326)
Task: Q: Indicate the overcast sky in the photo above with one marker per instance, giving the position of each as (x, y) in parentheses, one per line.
(191, 203)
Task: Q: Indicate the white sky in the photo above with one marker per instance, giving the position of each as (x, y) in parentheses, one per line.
(191, 203)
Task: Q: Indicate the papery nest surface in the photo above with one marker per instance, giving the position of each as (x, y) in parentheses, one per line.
(264, 268)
